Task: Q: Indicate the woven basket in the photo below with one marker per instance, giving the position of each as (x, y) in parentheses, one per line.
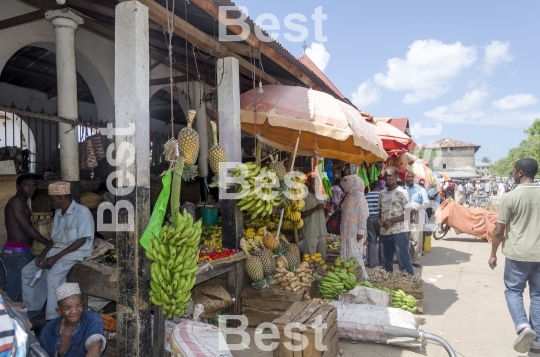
(91, 200)
(212, 296)
(44, 227)
(97, 144)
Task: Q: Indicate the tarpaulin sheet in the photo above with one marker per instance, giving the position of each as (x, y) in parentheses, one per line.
(477, 222)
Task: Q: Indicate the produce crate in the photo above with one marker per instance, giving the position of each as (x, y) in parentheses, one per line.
(416, 290)
(307, 314)
(267, 304)
(331, 258)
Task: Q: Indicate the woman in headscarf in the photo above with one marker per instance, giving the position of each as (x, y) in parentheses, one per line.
(354, 214)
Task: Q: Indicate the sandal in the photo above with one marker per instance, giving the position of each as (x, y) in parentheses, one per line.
(524, 340)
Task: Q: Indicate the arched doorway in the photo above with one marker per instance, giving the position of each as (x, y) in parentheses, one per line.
(28, 80)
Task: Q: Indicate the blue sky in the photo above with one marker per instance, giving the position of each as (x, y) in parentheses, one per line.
(472, 66)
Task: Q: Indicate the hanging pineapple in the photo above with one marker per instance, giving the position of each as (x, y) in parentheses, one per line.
(278, 167)
(216, 155)
(188, 142)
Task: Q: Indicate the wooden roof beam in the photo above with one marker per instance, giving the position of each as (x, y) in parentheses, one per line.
(22, 19)
(158, 14)
(212, 9)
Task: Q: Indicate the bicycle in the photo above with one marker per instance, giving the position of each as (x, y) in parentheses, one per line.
(420, 335)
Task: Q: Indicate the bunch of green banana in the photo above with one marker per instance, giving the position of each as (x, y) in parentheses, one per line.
(257, 200)
(174, 255)
(403, 301)
(336, 283)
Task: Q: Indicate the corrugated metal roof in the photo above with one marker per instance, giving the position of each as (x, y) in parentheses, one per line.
(306, 61)
(204, 22)
(449, 143)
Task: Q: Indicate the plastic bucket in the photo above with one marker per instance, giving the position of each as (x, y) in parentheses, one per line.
(209, 215)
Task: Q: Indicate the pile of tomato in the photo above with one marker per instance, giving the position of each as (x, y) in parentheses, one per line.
(214, 255)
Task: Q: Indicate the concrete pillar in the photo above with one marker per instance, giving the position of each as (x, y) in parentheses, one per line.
(131, 101)
(230, 139)
(202, 127)
(65, 24)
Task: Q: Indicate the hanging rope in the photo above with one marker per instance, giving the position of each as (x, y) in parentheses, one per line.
(170, 59)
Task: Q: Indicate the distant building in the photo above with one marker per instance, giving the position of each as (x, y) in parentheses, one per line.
(482, 168)
(455, 158)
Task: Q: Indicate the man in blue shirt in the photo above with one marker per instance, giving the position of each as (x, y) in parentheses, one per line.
(76, 333)
(419, 201)
(71, 241)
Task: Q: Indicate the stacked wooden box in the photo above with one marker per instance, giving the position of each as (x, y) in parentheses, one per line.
(320, 332)
(416, 290)
(267, 304)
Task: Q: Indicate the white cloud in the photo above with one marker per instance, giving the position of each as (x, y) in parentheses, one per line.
(496, 54)
(318, 54)
(427, 69)
(469, 110)
(512, 102)
(366, 94)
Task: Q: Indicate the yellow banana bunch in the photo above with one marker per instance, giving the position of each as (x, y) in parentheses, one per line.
(215, 241)
(174, 255)
(258, 200)
(292, 214)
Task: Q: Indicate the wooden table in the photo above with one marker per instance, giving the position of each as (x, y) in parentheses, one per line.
(233, 266)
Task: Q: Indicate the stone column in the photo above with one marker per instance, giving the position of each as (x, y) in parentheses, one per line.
(201, 126)
(230, 139)
(131, 102)
(65, 25)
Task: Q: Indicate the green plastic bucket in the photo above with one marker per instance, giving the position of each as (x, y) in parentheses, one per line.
(209, 215)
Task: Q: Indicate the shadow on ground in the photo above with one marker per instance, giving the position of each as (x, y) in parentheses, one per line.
(436, 300)
(445, 256)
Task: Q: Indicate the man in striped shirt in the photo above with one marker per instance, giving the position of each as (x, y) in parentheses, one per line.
(372, 199)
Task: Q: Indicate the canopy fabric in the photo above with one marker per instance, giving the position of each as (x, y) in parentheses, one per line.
(423, 172)
(442, 175)
(329, 127)
(459, 174)
(394, 141)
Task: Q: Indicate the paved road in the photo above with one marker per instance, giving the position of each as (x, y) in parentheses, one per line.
(464, 303)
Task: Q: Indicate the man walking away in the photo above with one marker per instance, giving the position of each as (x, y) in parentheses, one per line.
(372, 199)
(314, 222)
(393, 204)
(487, 188)
(518, 215)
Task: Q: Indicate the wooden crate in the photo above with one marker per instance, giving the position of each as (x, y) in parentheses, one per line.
(416, 290)
(267, 304)
(307, 314)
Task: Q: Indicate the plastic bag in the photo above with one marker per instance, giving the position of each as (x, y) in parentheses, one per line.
(158, 214)
(197, 339)
(365, 295)
(359, 322)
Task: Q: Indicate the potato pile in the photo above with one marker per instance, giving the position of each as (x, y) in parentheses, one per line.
(294, 281)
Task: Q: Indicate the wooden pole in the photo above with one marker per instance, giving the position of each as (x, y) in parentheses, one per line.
(131, 108)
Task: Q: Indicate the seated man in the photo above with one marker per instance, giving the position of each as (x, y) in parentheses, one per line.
(71, 241)
(76, 333)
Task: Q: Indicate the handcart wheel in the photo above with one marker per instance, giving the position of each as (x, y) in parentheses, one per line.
(441, 231)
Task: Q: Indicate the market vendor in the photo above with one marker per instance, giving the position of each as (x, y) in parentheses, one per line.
(314, 228)
(76, 333)
(71, 241)
(16, 253)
